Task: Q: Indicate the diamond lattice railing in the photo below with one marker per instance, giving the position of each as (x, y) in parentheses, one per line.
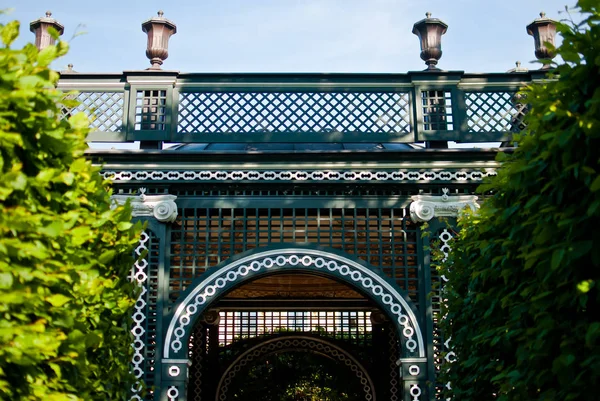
(494, 112)
(104, 109)
(244, 112)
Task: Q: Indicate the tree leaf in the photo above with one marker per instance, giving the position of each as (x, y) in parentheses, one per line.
(58, 300)
(10, 32)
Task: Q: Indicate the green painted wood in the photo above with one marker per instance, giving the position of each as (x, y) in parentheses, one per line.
(171, 106)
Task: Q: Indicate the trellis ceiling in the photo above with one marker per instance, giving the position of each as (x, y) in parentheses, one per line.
(294, 286)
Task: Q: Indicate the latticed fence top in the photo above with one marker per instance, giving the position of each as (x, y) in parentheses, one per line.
(104, 109)
(199, 108)
(368, 112)
(494, 111)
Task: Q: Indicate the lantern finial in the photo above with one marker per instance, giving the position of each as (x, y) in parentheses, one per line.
(543, 31)
(159, 30)
(40, 28)
(430, 31)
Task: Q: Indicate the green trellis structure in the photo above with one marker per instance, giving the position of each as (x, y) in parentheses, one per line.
(302, 173)
(343, 177)
(398, 187)
(434, 106)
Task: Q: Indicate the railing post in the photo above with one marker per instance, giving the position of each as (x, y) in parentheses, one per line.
(436, 113)
(152, 113)
(460, 112)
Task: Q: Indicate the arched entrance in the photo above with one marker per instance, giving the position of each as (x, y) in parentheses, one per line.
(297, 343)
(206, 292)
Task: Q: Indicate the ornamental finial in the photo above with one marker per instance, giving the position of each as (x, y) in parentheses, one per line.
(543, 31)
(40, 28)
(430, 31)
(159, 30)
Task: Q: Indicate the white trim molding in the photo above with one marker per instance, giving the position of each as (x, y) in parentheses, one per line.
(162, 207)
(425, 207)
(400, 175)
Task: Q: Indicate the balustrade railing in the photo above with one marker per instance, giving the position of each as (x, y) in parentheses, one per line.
(163, 106)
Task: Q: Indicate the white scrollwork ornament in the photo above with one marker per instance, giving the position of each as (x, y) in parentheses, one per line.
(162, 207)
(420, 211)
(425, 207)
(139, 275)
(409, 175)
(165, 211)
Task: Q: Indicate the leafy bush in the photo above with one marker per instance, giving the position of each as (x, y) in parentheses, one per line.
(64, 255)
(523, 302)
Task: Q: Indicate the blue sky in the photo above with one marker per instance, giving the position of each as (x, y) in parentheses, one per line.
(292, 35)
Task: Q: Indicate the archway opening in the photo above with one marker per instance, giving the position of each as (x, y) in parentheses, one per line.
(296, 376)
(329, 330)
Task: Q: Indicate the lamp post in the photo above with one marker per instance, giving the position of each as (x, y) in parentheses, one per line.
(543, 31)
(159, 30)
(40, 28)
(430, 31)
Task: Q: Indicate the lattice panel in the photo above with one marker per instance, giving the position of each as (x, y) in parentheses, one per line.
(145, 274)
(104, 109)
(441, 345)
(152, 311)
(151, 110)
(353, 326)
(244, 112)
(197, 354)
(437, 110)
(202, 238)
(494, 112)
(395, 380)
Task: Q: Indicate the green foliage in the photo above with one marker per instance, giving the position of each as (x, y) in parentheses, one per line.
(64, 255)
(523, 302)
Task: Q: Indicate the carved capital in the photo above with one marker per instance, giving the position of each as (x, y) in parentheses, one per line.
(425, 207)
(162, 207)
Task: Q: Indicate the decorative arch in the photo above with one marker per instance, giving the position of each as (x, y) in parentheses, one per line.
(296, 343)
(208, 288)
